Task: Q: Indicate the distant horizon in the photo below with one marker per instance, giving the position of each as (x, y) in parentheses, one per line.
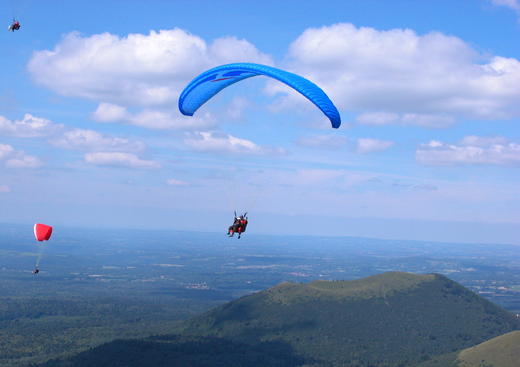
(420, 237)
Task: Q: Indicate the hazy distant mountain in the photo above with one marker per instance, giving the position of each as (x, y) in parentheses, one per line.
(392, 319)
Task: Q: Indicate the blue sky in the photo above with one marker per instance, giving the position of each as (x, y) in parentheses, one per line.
(428, 91)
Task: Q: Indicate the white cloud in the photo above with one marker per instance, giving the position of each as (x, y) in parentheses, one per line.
(319, 176)
(152, 118)
(22, 160)
(28, 127)
(237, 107)
(5, 150)
(4, 189)
(17, 158)
(323, 141)
(175, 182)
(224, 143)
(424, 79)
(368, 145)
(378, 118)
(226, 50)
(511, 4)
(92, 140)
(119, 159)
(158, 120)
(387, 118)
(471, 150)
(427, 120)
(433, 144)
(480, 141)
(321, 179)
(109, 112)
(136, 70)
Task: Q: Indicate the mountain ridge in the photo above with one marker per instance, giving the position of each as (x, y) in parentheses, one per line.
(380, 285)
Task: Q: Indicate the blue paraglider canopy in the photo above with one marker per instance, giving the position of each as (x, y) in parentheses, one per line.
(210, 82)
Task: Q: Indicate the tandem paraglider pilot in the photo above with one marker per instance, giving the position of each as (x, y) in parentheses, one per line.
(239, 225)
(15, 25)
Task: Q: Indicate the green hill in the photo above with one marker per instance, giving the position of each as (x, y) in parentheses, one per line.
(502, 351)
(388, 320)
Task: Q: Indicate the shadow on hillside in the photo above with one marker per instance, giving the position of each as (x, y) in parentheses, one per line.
(176, 350)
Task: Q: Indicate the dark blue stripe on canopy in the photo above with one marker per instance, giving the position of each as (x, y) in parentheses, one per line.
(210, 82)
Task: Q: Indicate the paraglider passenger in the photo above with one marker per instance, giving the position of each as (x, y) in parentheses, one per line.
(242, 225)
(36, 271)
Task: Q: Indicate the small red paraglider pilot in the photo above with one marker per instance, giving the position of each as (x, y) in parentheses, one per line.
(239, 225)
(15, 25)
(42, 232)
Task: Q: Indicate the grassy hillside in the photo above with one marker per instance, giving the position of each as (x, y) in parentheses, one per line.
(382, 285)
(386, 320)
(502, 351)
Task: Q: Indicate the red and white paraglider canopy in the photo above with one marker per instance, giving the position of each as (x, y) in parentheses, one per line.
(42, 232)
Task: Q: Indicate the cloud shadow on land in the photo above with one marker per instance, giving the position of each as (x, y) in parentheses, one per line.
(176, 350)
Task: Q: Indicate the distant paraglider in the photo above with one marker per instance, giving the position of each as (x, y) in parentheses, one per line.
(210, 82)
(15, 25)
(42, 232)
